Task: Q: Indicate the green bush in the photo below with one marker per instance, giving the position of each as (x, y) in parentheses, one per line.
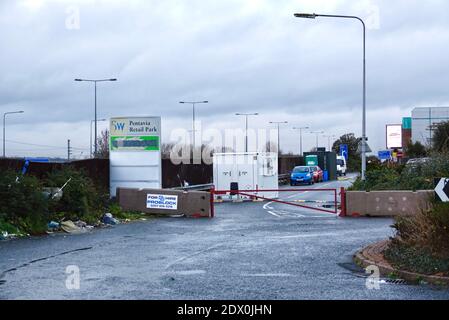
(427, 231)
(80, 200)
(22, 202)
(405, 177)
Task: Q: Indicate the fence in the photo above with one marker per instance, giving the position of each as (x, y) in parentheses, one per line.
(172, 175)
(96, 169)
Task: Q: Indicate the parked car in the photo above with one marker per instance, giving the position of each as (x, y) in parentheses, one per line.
(317, 174)
(341, 166)
(302, 174)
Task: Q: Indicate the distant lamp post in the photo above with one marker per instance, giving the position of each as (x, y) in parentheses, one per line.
(329, 141)
(278, 123)
(364, 139)
(193, 103)
(300, 138)
(246, 126)
(95, 119)
(91, 122)
(4, 129)
(317, 133)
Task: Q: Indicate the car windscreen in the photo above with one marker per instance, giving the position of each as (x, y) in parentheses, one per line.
(301, 170)
(340, 162)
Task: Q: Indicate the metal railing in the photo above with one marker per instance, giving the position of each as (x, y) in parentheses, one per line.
(198, 187)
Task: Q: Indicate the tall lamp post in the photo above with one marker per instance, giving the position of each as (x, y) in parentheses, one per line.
(300, 137)
(278, 123)
(317, 133)
(4, 129)
(193, 103)
(329, 137)
(246, 126)
(95, 119)
(91, 122)
(313, 16)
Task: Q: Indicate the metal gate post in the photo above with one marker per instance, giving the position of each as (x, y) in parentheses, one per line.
(335, 201)
(343, 202)
(212, 196)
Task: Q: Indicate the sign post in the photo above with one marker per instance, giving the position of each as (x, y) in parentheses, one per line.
(135, 153)
(344, 151)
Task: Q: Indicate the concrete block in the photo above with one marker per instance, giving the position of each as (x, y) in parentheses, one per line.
(387, 203)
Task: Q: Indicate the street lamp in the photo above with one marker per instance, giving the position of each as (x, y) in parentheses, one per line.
(193, 103)
(95, 120)
(278, 123)
(317, 133)
(329, 141)
(92, 121)
(4, 129)
(313, 16)
(246, 126)
(300, 137)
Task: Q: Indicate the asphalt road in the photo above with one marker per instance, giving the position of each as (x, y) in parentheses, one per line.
(250, 250)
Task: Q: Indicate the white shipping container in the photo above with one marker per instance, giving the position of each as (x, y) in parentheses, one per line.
(250, 170)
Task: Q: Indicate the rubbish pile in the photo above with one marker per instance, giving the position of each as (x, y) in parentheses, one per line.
(5, 235)
(80, 226)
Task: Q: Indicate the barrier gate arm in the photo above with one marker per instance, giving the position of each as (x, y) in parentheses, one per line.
(335, 211)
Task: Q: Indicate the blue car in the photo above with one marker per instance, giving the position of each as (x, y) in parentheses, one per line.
(300, 175)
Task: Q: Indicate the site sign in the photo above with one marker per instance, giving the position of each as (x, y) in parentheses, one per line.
(394, 136)
(135, 134)
(162, 201)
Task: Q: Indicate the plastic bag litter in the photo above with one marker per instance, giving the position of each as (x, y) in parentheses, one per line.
(53, 225)
(70, 227)
(109, 219)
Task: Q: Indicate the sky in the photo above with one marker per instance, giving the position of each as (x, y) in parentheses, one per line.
(240, 55)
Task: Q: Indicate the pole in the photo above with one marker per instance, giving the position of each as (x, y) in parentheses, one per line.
(246, 133)
(95, 142)
(4, 133)
(91, 121)
(193, 125)
(313, 16)
(68, 150)
(279, 143)
(364, 104)
(300, 142)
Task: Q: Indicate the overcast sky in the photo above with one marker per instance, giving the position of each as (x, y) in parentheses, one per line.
(241, 55)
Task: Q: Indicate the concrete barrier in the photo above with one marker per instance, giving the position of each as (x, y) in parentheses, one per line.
(386, 203)
(165, 202)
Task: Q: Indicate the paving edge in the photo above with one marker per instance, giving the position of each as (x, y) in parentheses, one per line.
(373, 255)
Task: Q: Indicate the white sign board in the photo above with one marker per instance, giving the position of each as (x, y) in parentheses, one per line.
(442, 189)
(394, 136)
(162, 201)
(135, 153)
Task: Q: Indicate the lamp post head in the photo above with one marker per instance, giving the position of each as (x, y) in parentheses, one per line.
(305, 15)
(113, 79)
(78, 79)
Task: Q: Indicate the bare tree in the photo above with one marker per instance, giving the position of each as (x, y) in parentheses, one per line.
(271, 146)
(103, 145)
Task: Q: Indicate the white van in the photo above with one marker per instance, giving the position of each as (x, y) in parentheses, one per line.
(341, 166)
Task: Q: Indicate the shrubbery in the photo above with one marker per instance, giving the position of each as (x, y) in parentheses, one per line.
(418, 176)
(80, 200)
(422, 241)
(23, 203)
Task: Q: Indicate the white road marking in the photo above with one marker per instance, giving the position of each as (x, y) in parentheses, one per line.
(267, 275)
(274, 214)
(284, 214)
